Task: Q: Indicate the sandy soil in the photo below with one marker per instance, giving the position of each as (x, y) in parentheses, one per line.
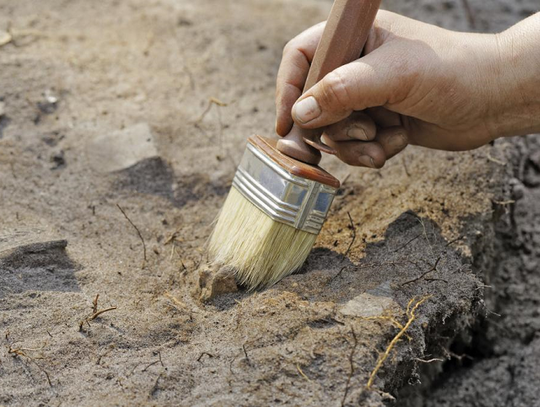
(105, 108)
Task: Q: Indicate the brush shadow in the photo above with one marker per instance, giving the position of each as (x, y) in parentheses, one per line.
(154, 176)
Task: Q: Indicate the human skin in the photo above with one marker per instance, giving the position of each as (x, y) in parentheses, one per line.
(415, 84)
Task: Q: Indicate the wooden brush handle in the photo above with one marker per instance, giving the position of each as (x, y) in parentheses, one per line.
(343, 39)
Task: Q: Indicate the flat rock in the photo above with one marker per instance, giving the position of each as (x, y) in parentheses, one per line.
(33, 260)
(13, 239)
(121, 149)
(367, 305)
(32, 248)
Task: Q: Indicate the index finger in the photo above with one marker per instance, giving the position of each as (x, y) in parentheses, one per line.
(292, 74)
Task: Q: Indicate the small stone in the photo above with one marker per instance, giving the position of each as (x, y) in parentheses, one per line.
(50, 97)
(367, 305)
(49, 104)
(2, 109)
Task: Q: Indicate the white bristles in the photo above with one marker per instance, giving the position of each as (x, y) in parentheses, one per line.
(260, 250)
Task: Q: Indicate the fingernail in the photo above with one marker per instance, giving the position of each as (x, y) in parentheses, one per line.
(397, 142)
(366, 161)
(306, 110)
(357, 133)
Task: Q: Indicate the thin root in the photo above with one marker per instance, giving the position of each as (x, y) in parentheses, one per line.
(302, 373)
(412, 306)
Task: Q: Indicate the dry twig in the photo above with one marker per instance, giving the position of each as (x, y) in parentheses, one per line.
(149, 365)
(95, 313)
(353, 237)
(155, 387)
(20, 352)
(94, 304)
(138, 232)
(457, 239)
(351, 361)
(204, 353)
(406, 244)
(245, 353)
(337, 275)
(425, 273)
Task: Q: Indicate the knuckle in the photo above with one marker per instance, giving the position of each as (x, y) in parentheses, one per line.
(288, 47)
(347, 158)
(335, 92)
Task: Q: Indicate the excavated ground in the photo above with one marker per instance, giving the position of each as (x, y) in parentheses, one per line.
(121, 123)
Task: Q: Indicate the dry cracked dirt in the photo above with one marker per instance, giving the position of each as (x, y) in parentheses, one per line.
(121, 125)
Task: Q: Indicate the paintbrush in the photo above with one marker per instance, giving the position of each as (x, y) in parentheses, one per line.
(280, 197)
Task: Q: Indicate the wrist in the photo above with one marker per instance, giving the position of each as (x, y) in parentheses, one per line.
(517, 76)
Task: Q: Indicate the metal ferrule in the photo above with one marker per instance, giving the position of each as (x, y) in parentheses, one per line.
(286, 198)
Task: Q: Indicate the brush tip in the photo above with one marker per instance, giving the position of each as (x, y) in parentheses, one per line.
(261, 250)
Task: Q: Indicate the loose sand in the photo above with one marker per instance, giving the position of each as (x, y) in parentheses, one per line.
(80, 81)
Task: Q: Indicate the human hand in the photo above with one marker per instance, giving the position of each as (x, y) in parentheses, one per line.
(416, 84)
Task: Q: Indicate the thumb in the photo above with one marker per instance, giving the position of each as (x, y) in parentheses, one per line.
(355, 86)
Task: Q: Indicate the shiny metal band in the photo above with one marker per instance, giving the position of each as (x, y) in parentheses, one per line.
(286, 198)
